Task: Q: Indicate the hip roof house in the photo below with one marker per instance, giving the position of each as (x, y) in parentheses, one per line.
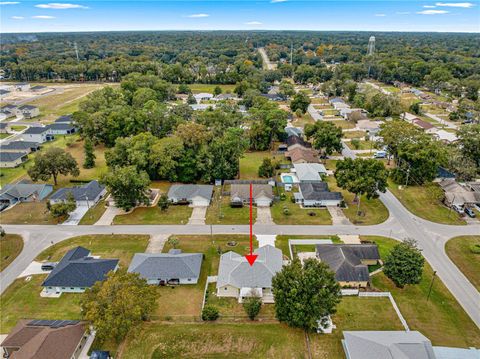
(24, 192)
(86, 195)
(195, 194)
(236, 278)
(12, 159)
(316, 194)
(309, 172)
(262, 195)
(173, 267)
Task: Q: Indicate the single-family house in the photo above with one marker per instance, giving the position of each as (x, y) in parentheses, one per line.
(456, 194)
(238, 279)
(225, 96)
(24, 192)
(195, 194)
(12, 159)
(202, 106)
(203, 96)
(42, 339)
(86, 195)
(20, 146)
(173, 267)
(349, 262)
(4, 126)
(302, 155)
(294, 131)
(424, 125)
(445, 136)
(61, 128)
(9, 110)
(272, 96)
(309, 172)
(28, 111)
(4, 93)
(38, 134)
(316, 194)
(76, 271)
(22, 86)
(64, 119)
(295, 141)
(262, 195)
(335, 100)
(339, 103)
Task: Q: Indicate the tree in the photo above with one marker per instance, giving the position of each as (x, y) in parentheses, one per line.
(416, 108)
(300, 101)
(127, 186)
(2, 232)
(173, 241)
(63, 208)
(267, 168)
(210, 313)
(191, 100)
(469, 140)
(51, 163)
(404, 264)
(286, 89)
(89, 154)
(326, 136)
(305, 294)
(184, 89)
(252, 305)
(163, 202)
(217, 90)
(119, 303)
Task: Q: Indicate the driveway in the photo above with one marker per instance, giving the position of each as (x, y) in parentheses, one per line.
(107, 218)
(198, 215)
(76, 216)
(264, 216)
(338, 217)
(156, 243)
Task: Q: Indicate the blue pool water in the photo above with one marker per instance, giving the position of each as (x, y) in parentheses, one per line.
(287, 179)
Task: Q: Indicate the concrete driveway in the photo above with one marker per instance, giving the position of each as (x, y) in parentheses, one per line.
(338, 217)
(198, 215)
(264, 216)
(76, 216)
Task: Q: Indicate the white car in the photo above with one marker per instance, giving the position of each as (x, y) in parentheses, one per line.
(458, 208)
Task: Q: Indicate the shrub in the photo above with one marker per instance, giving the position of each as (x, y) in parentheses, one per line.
(252, 306)
(210, 313)
(355, 143)
(286, 211)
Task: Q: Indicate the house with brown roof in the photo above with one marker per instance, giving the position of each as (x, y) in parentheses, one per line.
(424, 125)
(45, 339)
(262, 195)
(302, 155)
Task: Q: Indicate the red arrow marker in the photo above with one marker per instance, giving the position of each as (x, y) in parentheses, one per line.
(251, 257)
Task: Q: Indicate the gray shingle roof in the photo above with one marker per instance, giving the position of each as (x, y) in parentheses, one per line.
(318, 191)
(76, 269)
(189, 191)
(294, 139)
(11, 156)
(61, 126)
(309, 171)
(387, 345)
(20, 145)
(90, 190)
(166, 265)
(66, 118)
(242, 191)
(234, 269)
(36, 130)
(27, 107)
(345, 260)
(21, 190)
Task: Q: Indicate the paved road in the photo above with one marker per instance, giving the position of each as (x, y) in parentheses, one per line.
(314, 113)
(266, 61)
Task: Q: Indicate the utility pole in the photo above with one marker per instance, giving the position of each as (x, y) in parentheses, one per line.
(408, 174)
(431, 284)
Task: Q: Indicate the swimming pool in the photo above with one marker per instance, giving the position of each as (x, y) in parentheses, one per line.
(287, 179)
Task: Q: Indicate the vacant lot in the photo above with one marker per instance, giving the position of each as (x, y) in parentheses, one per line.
(250, 163)
(29, 213)
(220, 212)
(174, 214)
(426, 202)
(297, 215)
(197, 88)
(10, 247)
(465, 253)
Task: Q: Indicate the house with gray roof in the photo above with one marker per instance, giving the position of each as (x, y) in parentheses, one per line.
(20, 146)
(317, 194)
(77, 271)
(24, 192)
(238, 279)
(349, 262)
(3, 93)
(173, 267)
(12, 159)
(64, 119)
(9, 110)
(262, 195)
(197, 195)
(62, 128)
(86, 195)
(4, 127)
(21, 86)
(310, 172)
(28, 111)
(38, 134)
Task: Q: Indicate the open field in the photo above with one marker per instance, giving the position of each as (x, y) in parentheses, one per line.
(10, 247)
(465, 253)
(29, 213)
(298, 215)
(174, 214)
(220, 212)
(425, 202)
(441, 319)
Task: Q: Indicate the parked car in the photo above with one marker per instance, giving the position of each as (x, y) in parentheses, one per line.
(470, 212)
(48, 266)
(458, 208)
(380, 154)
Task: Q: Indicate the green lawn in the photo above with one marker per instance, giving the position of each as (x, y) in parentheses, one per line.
(197, 88)
(250, 163)
(220, 212)
(354, 134)
(18, 127)
(465, 253)
(10, 247)
(302, 121)
(426, 202)
(281, 242)
(174, 214)
(441, 319)
(297, 214)
(342, 124)
(94, 213)
(362, 145)
(4, 135)
(29, 213)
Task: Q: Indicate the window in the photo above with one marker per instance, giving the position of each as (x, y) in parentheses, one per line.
(189, 279)
(71, 288)
(225, 288)
(63, 287)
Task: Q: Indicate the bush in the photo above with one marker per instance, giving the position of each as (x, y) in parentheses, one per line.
(355, 143)
(283, 197)
(312, 213)
(210, 313)
(475, 248)
(286, 211)
(252, 306)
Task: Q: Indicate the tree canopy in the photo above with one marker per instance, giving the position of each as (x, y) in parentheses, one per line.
(51, 163)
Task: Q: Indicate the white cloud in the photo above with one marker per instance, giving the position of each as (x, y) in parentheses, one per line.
(195, 16)
(456, 4)
(277, 1)
(433, 12)
(9, 2)
(380, 15)
(17, 18)
(429, 6)
(403, 12)
(43, 17)
(253, 23)
(60, 6)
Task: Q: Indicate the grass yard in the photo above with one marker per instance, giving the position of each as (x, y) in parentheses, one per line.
(10, 247)
(302, 121)
(362, 145)
(29, 213)
(174, 214)
(281, 242)
(220, 212)
(94, 213)
(17, 127)
(4, 135)
(373, 211)
(441, 319)
(197, 88)
(354, 134)
(250, 163)
(465, 253)
(425, 202)
(299, 215)
(343, 124)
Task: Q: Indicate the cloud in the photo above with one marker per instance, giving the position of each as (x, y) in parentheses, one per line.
(277, 1)
(196, 16)
(429, 6)
(43, 17)
(9, 2)
(456, 4)
(380, 15)
(60, 6)
(253, 23)
(17, 18)
(403, 12)
(433, 12)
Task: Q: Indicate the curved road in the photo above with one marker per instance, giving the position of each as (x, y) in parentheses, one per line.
(401, 224)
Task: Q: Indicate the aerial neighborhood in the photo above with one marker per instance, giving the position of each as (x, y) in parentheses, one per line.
(264, 194)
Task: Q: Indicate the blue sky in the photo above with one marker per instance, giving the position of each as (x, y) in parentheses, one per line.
(389, 15)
